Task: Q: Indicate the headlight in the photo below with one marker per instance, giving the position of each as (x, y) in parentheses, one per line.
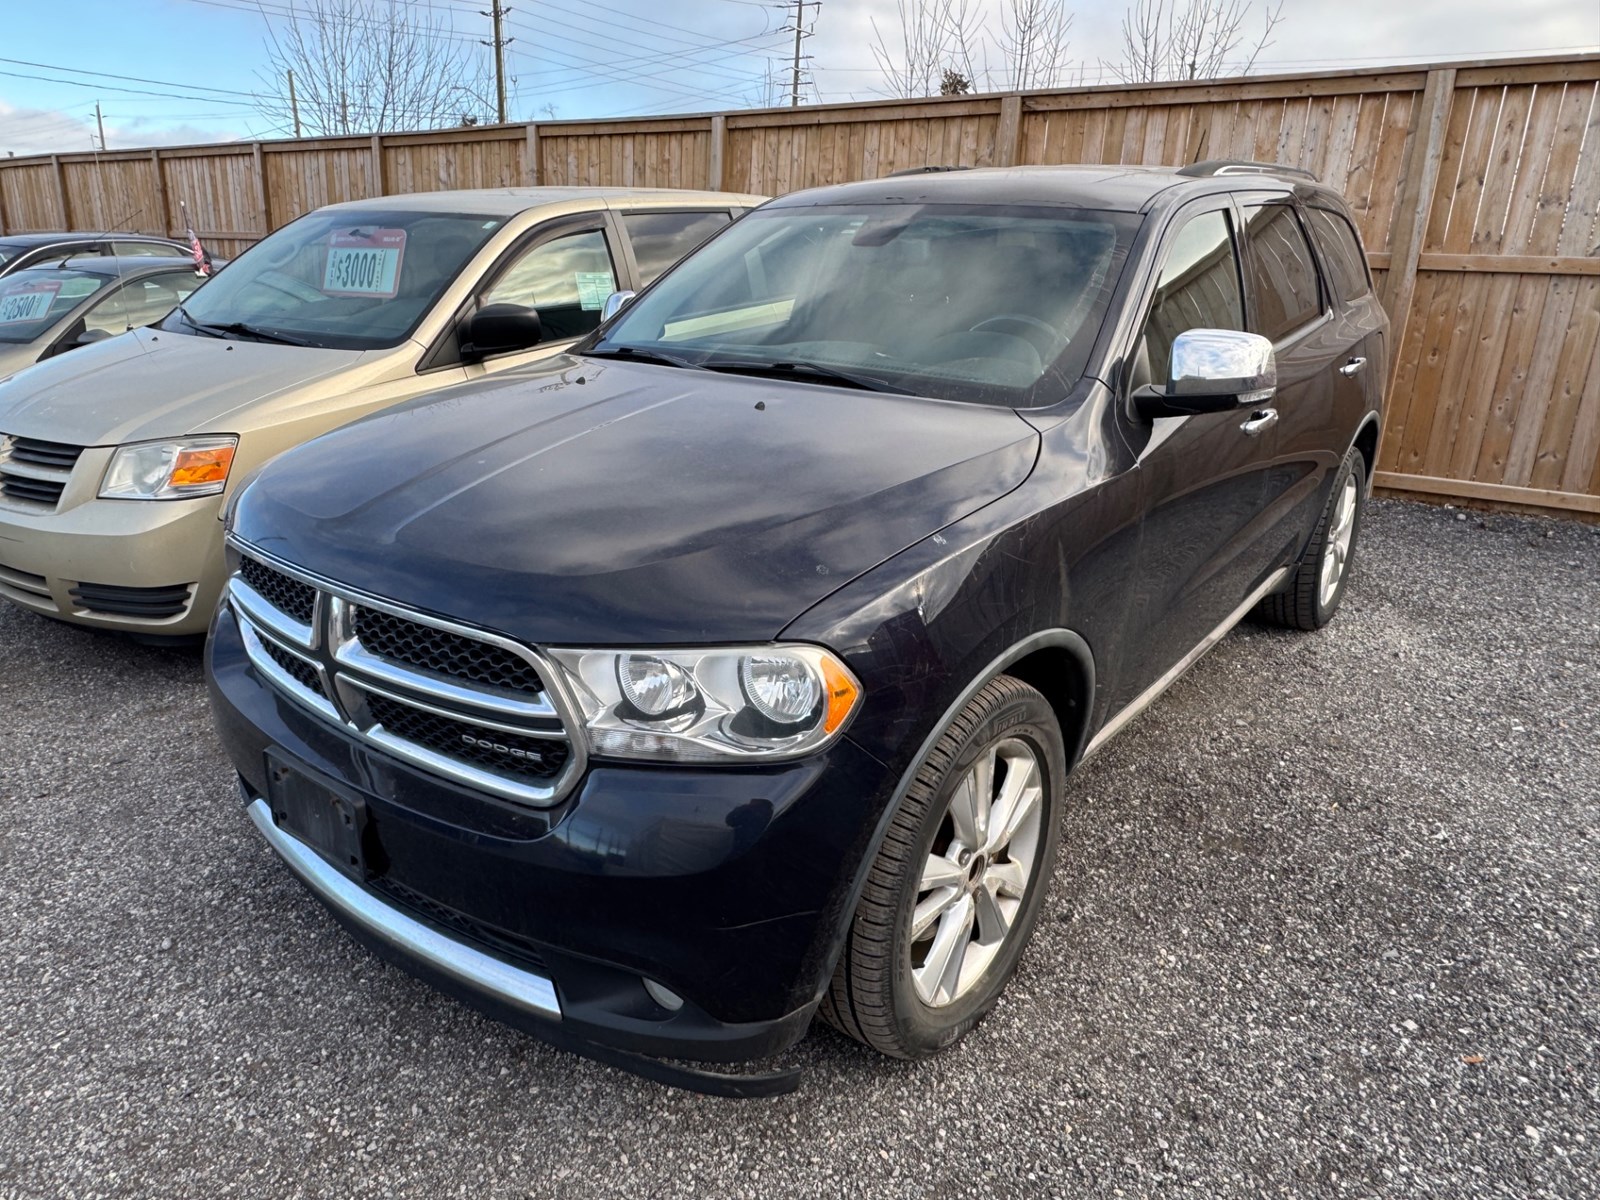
(709, 705)
(169, 470)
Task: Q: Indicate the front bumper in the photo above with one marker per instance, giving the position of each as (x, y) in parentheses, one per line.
(729, 886)
(138, 566)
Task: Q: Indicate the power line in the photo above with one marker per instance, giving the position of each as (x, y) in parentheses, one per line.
(193, 87)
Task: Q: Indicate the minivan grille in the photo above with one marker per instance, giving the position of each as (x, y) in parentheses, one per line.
(442, 652)
(154, 602)
(449, 700)
(36, 472)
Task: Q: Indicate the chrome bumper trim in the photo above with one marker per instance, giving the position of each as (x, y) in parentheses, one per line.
(510, 985)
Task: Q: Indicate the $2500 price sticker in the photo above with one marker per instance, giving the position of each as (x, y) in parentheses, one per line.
(27, 302)
(364, 262)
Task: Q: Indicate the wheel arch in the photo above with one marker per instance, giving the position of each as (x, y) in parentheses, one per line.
(1366, 441)
(1060, 664)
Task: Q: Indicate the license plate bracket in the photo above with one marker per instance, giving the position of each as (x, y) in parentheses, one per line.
(329, 820)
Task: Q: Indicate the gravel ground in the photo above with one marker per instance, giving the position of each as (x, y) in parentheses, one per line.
(1325, 924)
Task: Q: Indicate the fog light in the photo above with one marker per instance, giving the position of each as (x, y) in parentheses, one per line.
(666, 997)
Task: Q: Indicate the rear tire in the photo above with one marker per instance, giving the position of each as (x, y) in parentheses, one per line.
(1318, 583)
(953, 894)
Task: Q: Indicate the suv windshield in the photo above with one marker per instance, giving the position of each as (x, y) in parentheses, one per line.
(33, 300)
(338, 279)
(985, 303)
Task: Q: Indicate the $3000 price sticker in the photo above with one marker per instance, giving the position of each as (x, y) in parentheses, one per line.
(364, 262)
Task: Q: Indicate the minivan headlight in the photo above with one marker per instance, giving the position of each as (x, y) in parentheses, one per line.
(172, 470)
(729, 702)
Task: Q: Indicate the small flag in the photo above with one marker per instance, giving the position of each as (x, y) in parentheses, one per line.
(202, 256)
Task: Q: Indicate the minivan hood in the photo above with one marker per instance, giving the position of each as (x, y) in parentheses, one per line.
(152, 384)
(600, 503)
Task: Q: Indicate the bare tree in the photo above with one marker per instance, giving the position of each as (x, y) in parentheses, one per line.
(1033, 42)
(915, 66)
(372, 66)
(1191, 39)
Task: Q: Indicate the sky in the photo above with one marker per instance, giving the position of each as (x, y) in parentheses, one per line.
(191, 69)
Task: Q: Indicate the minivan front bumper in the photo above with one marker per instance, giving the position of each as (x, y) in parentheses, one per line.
(728, 887)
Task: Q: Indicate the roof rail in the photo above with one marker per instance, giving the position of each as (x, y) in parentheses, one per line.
(1240, 166)
(930, 170)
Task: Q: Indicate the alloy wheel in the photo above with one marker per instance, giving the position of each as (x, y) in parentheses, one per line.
(977, 872)
(1336, 553)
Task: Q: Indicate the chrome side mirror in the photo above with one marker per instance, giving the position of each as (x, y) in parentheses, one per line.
(1212, 370)
(615, 304)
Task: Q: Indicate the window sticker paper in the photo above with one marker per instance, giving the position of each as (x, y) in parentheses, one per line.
(364, 262)
(27, 301)
(593, 288)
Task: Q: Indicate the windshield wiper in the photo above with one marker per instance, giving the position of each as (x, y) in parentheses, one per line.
(640, 354)
(241, 329)
(803, 371)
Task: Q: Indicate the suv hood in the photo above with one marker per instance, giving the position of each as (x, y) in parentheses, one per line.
(617, 503)
(151, 384)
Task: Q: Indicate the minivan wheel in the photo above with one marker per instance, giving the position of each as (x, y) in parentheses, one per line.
(1318, 583)
(953, 894)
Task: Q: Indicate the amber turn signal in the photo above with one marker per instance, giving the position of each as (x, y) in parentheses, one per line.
(842, 693)
(194, 468)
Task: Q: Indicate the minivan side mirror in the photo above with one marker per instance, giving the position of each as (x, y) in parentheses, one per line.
(89, 336)
(500, 329)
(614, 304)
(1212, 370)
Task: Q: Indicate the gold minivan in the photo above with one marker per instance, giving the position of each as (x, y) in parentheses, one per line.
(116, 460)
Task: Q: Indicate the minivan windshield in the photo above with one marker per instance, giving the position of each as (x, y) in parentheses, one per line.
(354, 281)
(33, 300)
(983, 303)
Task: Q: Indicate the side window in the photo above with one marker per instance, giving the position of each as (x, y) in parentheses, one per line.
(1341, 251)
(1198, 289)
(661, 239)
(1283, 277)
(142, 302)
(149, 250)
(567, 279)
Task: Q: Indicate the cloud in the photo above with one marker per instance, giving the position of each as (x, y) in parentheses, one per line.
(26, 131)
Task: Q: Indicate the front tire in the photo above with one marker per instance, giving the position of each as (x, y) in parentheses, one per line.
(1318, 583)
(953, 894)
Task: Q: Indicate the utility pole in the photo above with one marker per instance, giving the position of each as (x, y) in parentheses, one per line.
(497, 13)
(294, 105)
(100, 123)
(800, 31)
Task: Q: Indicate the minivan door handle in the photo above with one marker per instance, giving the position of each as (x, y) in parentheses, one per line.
(1260, 420)
(1353, 367)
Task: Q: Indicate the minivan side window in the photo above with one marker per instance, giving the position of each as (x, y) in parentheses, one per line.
(662, 238)
(566, 279)
(1341, 251)
(1198, 289)
(1283, 276)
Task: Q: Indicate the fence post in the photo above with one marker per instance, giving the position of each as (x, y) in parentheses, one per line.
(263, 205)
(2, 204)
(165, 227)
(1008, 138)
(719, 148)
(530, 156)
(61, 191)
(375, 174)
(1418, 179)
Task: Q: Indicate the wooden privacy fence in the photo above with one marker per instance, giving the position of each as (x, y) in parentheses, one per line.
(1476, 186)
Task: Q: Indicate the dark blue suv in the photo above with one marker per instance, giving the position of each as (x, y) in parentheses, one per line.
(728, 670)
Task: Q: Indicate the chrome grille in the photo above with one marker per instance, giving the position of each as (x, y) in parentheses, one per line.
(470, 706)
(429, 648)
(36, 472)
(504, 753)
(279, 590)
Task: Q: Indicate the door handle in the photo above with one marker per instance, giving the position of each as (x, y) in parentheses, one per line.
(1260, 420)
(1353, 367)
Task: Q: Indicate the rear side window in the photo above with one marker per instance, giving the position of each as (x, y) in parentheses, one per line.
(661, 239)
(1198, 289)
(1341, 251)
(150, 250)
(1283, 277)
